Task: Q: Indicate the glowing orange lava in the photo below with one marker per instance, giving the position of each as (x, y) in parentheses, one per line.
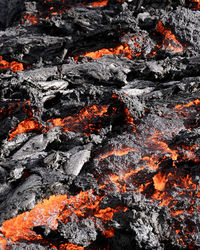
(85, 121)
(119, 50)
(70, 246)
(166, 186)
(52, 11)
(117, 152)
(158, 143)
(160, 181)
(99, 4)
(32, 19)
(169, 41)
(189, 104)
(129, 119)
(15, 66)
(197, 2)
(25, 126)
(57, 207)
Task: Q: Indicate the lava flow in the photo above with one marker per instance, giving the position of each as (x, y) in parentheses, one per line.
(85, 120)
(60, 208)
(88, 120)
(99, 3)
(15, 66)
(169, 40)
(12, 107)
(187, 105)
(166, 185)
(119, 50)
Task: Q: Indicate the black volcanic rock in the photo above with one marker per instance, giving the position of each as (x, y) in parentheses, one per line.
(10, 10)
(185, 23)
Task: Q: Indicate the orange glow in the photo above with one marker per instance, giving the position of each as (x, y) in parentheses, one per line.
(15, 66)
(108, 233)
(129, 118)
(57, 207)
(119, 50)
(189, 104)
(107, 213)
(176, 213)
(99, 4)
(25, 126)
(190, 153)
(169, 42)
(160, 181)
(183, 182)
(163, 146)
(197, 2)
(80, 122)
(31, 19)
(120, 180)
(86, 120)
(3, 243)
(20, 226)
(70, 246)
(164, 185)
(117, 152)
(159, 196)
(152, 161)
(34, 18)
(142, 187)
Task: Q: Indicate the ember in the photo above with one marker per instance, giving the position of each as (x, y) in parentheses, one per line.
(119, 50)
(15, 66)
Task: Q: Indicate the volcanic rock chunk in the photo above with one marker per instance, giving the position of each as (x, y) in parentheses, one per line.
(78, 157)
(110, 71)
(24, 246)
(32, 149)
(79, 233)
(185, 24)
(15, 203)
(9, 10)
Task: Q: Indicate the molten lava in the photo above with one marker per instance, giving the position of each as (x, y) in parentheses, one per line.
(160, 181)
(52, 10)
(187, 105)
(119, 50)
(167, 186)
(59, 207)
(88, 120)
(25, 126)
(117, 152)
(99, 4)
(169, 40)
(197, 4)
(15, 66)
(69, 246)
(85, 120)
(32, 19)
(156, 142)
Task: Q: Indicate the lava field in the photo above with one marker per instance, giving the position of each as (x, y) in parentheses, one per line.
(100, 124)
